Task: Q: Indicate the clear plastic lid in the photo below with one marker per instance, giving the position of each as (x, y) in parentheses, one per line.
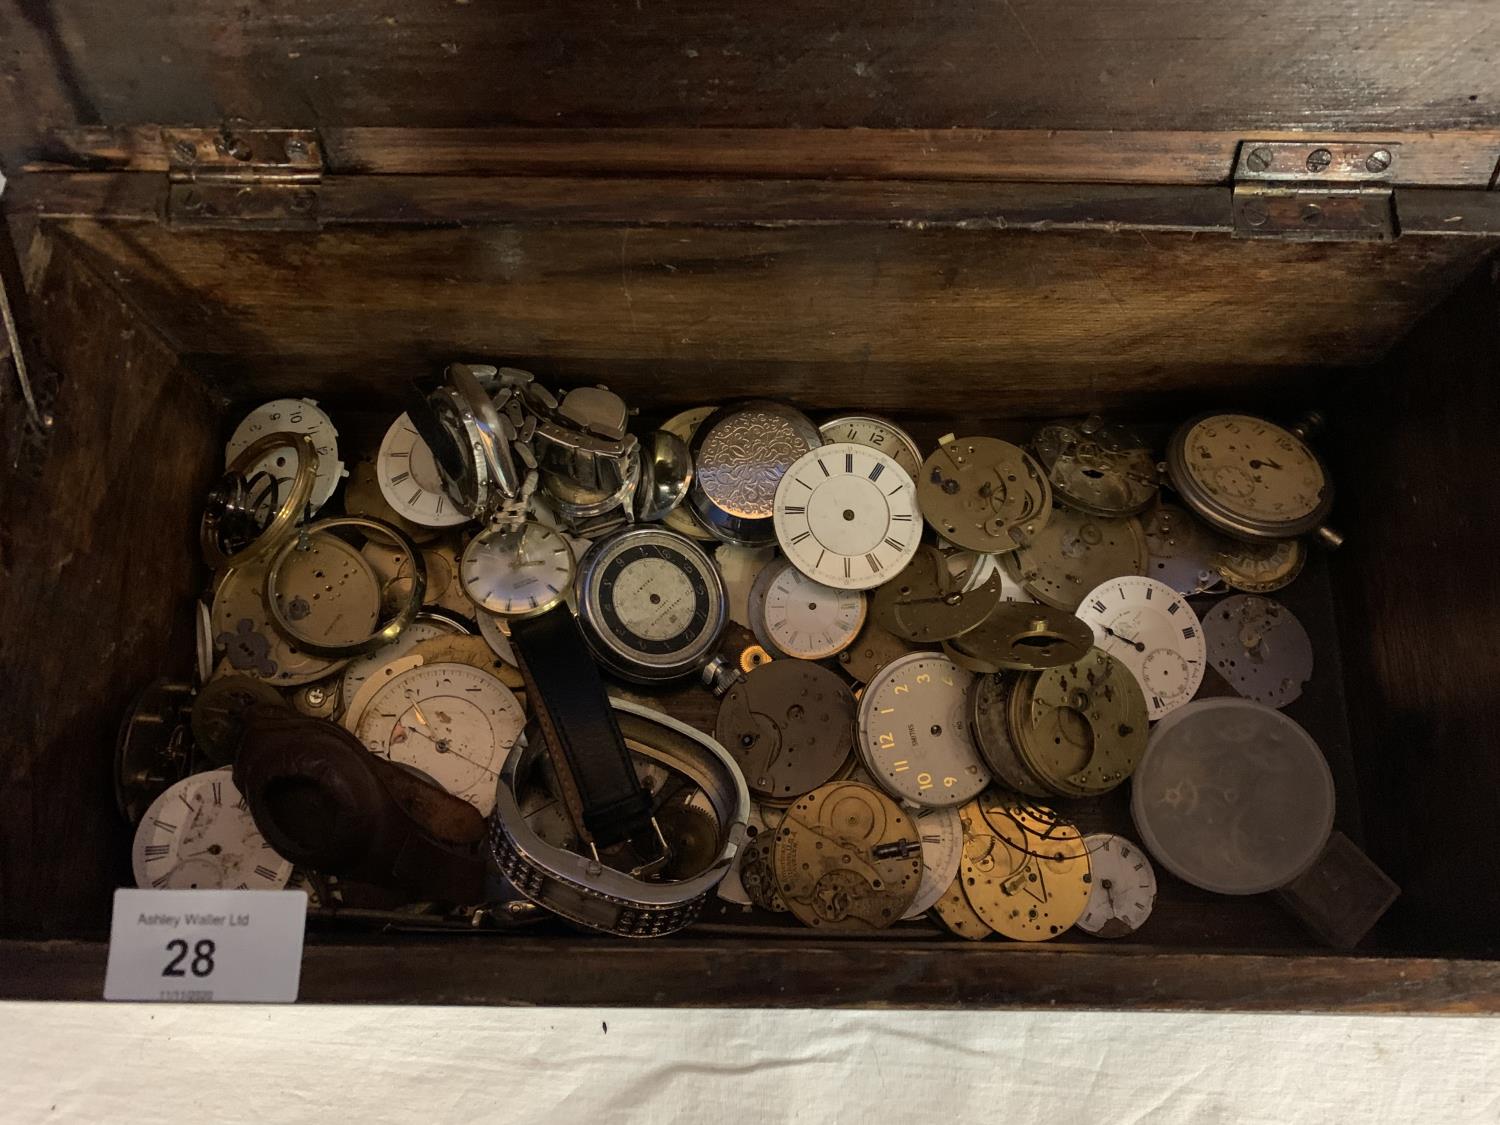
(1232, 796)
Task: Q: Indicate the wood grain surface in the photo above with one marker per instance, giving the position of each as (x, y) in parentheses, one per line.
(1025, 323)
(932, 64)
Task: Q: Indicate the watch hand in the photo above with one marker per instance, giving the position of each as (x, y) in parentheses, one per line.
(1267, 463)
(1137, 645)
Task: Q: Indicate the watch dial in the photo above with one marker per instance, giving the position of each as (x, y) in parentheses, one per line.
(199, 834)
(875, 433)
(409, 478)
(805, 619)
(1123, 890)
(1254, 468)
(452, 722)
(295, 416)
(653, 600)
(357, 671)
(914, 732)
(1153, 631)
(517, 573)
(847, 516)
(942, 835)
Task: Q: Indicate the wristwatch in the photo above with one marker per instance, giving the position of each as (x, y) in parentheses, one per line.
(523, 577)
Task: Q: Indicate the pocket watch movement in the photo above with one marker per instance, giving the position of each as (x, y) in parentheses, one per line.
(1097, 467)
(1021, 636)
(1260, 648)
(410, 481)
(740, 454)
(199, 835)
(871, 651)
(1260, 568)
(846, 516)
(1025, 871)
(1074, 553)
(291, 416)
(219, 710)
(452, 723)
(926, 603)
(795, 616)
(879, 434)
(1181, 551)
(790, 727)
(242, 623)
(652, 604)
(762, 821)
(1249, 478)
(989, 706)
(983, 494)
(914, 732)
(1123, 890)
(847, 857)
(954, 914)
(1153, 631)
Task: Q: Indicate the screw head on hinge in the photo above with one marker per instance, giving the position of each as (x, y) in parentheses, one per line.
(1259, 159)
(1319, 159)
(1379, 160)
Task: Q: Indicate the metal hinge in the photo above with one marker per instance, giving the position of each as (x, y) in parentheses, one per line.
(1316, 190)
(230, 177)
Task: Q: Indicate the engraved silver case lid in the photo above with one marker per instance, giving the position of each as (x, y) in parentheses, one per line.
(740, 453)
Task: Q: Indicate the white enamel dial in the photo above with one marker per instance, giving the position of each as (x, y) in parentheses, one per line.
(360, 669)
(1123, 890)
(1254, 468)
(794, 615)
(452, 722)
(517, 574)
(876, 433)
(409, 478)
(942, 835)
(295, 416)
(846, 515)
(1153, 631)
(914, 732)
(200, 834)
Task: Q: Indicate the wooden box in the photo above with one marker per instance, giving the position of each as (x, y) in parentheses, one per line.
(958, 214)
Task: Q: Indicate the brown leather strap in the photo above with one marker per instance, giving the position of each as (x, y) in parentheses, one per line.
(325, 802)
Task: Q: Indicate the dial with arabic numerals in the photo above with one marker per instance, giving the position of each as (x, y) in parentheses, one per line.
(517, 574)
(452, 722)
(794, 615)
(1153, 631)
(199, 834)
(409, 479)
(877, 433)
(293, 416)
(914, 732)
(1123, 889)
(846, 515)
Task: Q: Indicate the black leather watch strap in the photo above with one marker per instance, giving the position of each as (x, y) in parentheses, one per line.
(568, 699)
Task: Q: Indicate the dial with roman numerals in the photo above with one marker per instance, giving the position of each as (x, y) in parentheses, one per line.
(1123, 889)
(199, 834)
(409, 478)
(846, 515)
(1151, 629)
(453, 723)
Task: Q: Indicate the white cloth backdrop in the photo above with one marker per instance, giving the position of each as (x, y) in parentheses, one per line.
(178, 1063)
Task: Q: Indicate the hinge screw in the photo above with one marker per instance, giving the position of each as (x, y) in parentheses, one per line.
(1259, 159)
(1379, 160)
(192, 201)
(296, 148)
(302, 201)
(1319, 159)
(186, 150)
(236, 147)
(1255, 216)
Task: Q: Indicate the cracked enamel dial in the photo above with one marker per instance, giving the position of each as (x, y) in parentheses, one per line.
(409, 479)
(846, 515)
(293, 416)
(794, 615)
(199, 834)
(1123, 890)
(452, 723)
(1151, 629)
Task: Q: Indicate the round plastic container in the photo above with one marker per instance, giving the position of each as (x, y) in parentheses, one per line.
(1232, 796)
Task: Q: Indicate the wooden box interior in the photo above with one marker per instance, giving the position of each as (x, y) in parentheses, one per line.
(160, 338)
(966, 217)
